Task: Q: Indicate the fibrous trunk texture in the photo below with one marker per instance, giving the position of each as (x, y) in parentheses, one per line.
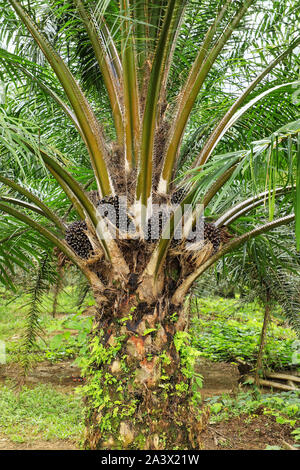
(138, 390)
(141, 391)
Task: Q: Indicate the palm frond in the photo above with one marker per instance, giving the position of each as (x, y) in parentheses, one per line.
(43, 278)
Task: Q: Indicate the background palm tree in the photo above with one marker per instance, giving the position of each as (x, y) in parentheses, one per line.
(198, 107)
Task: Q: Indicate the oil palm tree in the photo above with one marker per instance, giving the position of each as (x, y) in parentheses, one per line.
(167, 144)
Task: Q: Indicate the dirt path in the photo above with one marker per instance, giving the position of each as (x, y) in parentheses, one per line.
(64, 374)
(218, 378)
(37, 444)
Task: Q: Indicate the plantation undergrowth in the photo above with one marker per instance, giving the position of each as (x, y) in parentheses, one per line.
(222, 330)
(228, 330)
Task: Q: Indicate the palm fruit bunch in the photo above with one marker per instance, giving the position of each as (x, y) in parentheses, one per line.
(78, 240)
(157, 221)
(177, 196)
(155, 227)
(116, 213)
(210, 231)
(213, 234)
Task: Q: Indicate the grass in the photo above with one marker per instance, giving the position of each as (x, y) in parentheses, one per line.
(40, 413)
(222, 330)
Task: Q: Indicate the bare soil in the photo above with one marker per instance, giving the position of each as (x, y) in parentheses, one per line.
(245, 432)
(37, 444)
(248, 433)
(63, 375)
(218, 378)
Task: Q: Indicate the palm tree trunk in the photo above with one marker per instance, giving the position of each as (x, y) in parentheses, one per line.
(138, 383)
(267, 317)
(57, 288)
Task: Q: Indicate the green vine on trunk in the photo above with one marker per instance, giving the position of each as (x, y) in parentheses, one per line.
(188, 356)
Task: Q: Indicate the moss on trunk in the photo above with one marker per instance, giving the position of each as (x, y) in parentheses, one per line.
(141, 391)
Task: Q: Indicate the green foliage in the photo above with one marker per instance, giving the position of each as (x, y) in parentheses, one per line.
(103, 390)
(263, 269)
(225, 330)
(69, 344)
(41, 282)
(40, 413)
(63, 337)
(188, 356)
(231, 58)
(296, 434)
(188, 353)
(284, 406)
